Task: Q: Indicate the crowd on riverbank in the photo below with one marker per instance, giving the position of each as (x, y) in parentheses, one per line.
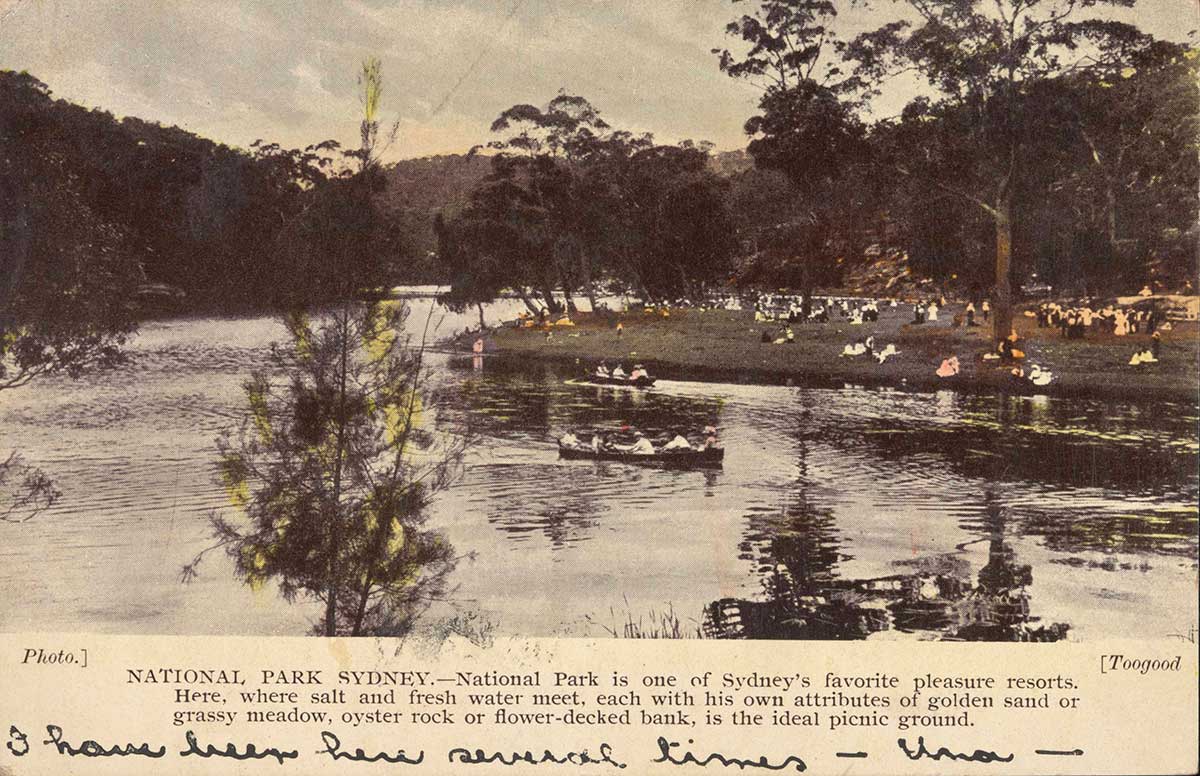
(1081, 347)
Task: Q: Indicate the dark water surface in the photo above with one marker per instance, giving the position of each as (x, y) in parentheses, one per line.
(839, 513)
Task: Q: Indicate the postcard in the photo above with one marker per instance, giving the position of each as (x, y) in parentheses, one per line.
(497, 385)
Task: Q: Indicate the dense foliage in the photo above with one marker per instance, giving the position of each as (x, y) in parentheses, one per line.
(1047, 137)
(1044, 138)
(338, 456)
(570, 203)
(332, 470)
(66, 274)
(142, 204)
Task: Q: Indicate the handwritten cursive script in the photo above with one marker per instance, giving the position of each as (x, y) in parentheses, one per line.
(978, 756)
(479, 756)
(251, 752)
(90, 748)
(666, 756)
(333, 748)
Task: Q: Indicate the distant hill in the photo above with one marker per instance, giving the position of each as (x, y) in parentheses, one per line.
(195, 214)
(183, 206)
(420, 188)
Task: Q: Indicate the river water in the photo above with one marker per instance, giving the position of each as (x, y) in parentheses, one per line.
(839, 512)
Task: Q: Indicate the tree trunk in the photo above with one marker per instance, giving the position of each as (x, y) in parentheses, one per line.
(361, 610)
(551, 303)
(571, 308)
(815, 247)
(1002, 302)
(635, 277)
(1111, 197)
(529, 303)
(482, 326)
(335, 538)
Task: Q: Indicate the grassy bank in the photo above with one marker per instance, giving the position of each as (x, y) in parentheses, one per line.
(726, 345)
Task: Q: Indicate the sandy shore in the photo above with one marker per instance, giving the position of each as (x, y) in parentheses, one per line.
(726, 345)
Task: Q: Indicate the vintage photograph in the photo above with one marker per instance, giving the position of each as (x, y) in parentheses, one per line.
(684, 319)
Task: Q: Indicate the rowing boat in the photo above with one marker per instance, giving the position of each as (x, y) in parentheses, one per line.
(709, 457)
(641, 382)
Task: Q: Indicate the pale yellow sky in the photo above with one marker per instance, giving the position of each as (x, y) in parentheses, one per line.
(237, 70)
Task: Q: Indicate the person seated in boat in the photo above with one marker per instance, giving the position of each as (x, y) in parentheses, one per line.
(599, 442)
(640, 446)
(568, 440)
(710, 438)
(678, 442)
(602, 371)
(789, 336)
(477, 348)
(618, 373)
(639, 372)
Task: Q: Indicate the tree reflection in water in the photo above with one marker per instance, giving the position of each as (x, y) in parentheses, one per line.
(805, 599)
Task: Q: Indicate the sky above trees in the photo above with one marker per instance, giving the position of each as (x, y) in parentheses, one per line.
(238, 70)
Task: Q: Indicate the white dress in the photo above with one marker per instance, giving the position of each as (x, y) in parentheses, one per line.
(642, 447)
(678, 443)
